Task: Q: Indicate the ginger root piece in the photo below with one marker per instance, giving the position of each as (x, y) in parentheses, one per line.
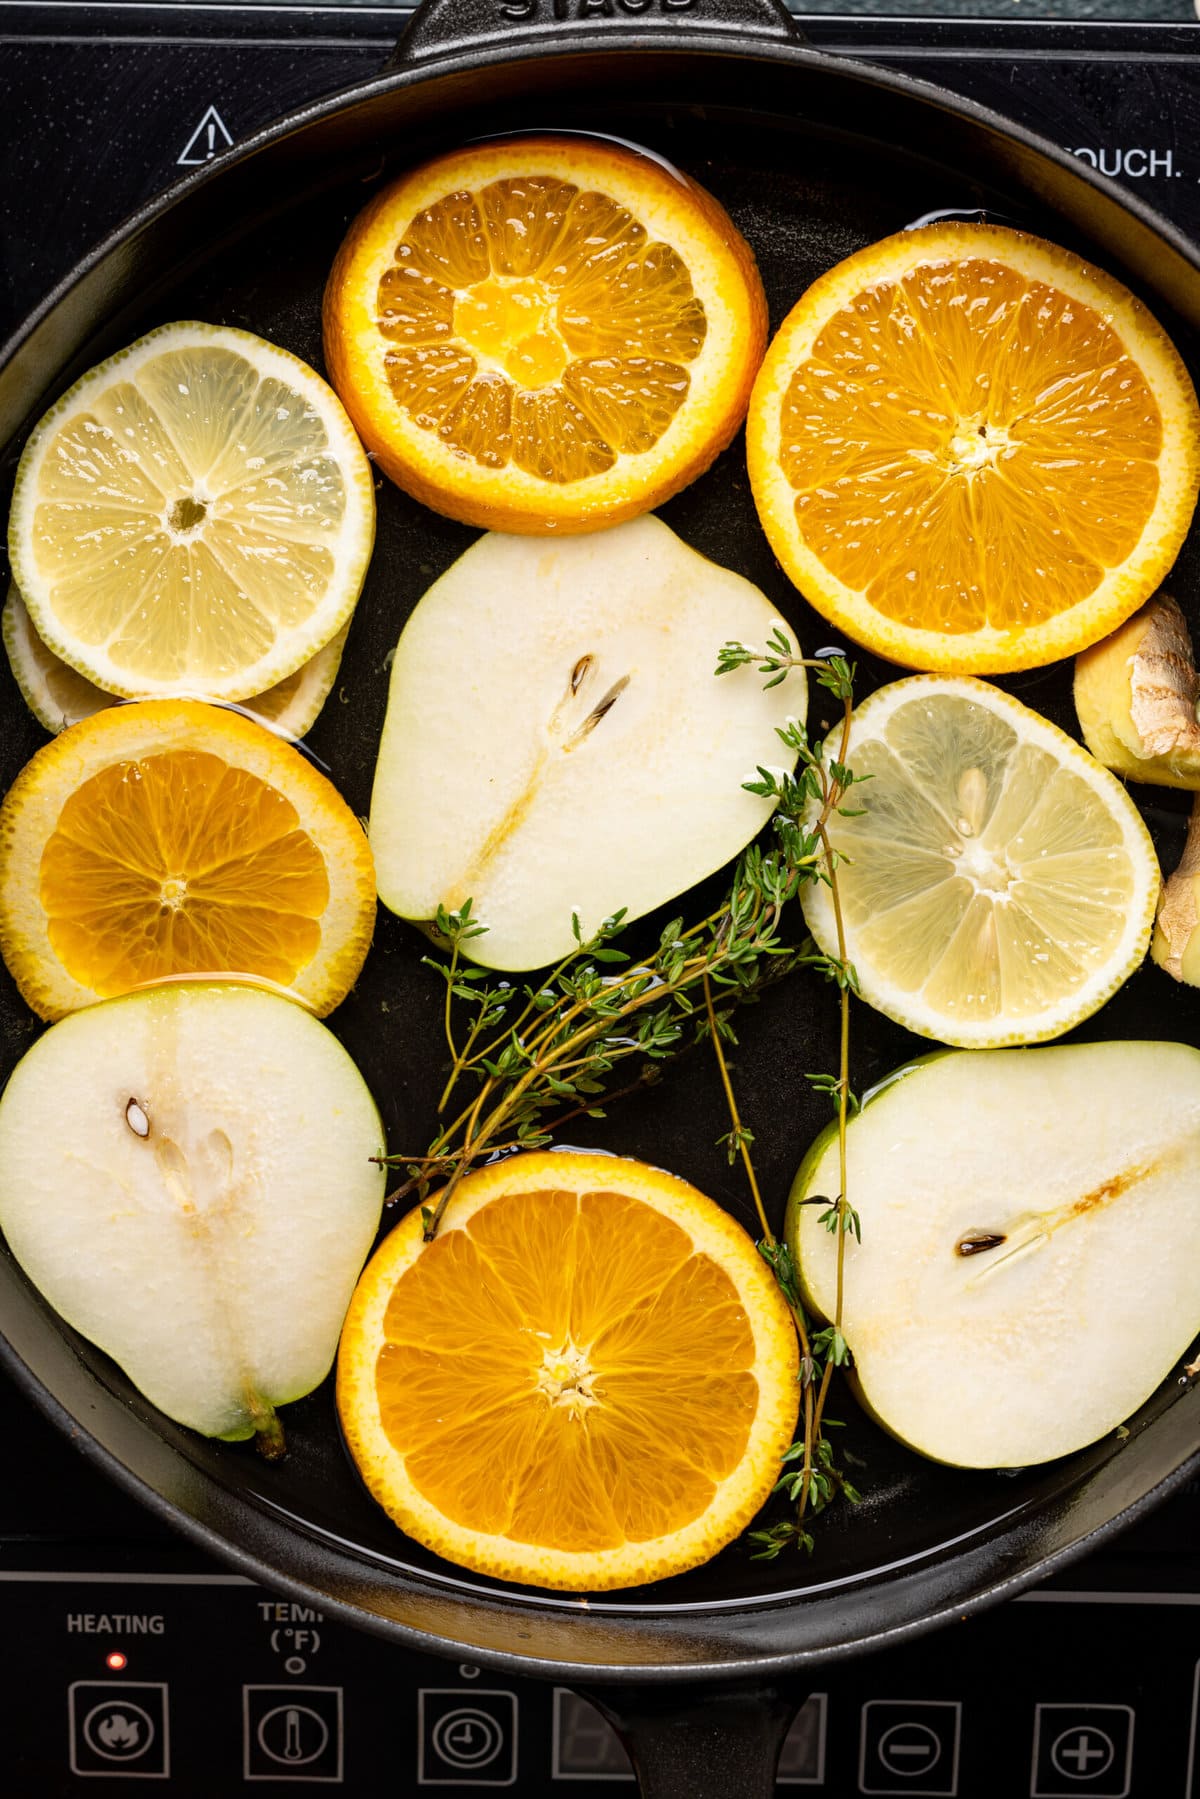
(1176, 942)
(1136, 693)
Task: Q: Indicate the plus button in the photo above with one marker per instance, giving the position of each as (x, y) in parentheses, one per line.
(1083, 1748)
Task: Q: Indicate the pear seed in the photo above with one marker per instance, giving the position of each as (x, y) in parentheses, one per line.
(136, 1119)
(973, 1243)
(601, 710)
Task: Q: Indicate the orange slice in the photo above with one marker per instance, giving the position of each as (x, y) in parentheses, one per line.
(586, 1380)
(172, 838)
(544, 334)
(972, 451)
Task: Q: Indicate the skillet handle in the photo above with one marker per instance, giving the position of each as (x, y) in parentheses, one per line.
(447, 27)
(697, 1742)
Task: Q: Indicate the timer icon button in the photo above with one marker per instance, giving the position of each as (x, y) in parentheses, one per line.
(468, 1737)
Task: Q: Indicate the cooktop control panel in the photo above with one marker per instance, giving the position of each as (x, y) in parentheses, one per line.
(212, 1685)
(129, 1657)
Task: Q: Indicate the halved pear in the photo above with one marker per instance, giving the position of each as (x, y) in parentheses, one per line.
(186, 1175)
(1029, 1270)
(556, 741)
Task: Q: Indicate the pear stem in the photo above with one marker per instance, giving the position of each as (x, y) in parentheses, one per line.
(269, 1439)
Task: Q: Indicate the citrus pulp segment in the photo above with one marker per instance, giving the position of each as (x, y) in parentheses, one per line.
(971, 450)
(585, 1381)
(544, 334)
(58, 696)
(173, 838)
(998, 884)
(194, 516)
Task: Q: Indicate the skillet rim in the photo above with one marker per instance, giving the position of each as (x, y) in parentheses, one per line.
(1004, 1560)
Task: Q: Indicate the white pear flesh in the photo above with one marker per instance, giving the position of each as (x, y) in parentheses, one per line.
(186, 1176)
(1083, 1159)
(557, 741)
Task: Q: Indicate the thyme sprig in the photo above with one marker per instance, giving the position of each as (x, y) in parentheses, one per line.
(776, 660)
(810, 1478)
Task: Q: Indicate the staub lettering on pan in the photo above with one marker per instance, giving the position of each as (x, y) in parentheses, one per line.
(537, 12)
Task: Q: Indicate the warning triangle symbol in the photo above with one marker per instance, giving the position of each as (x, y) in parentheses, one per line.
(210, 137)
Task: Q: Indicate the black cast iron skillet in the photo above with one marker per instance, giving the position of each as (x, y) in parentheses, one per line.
(814, 157)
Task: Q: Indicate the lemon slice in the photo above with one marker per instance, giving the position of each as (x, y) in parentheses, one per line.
(999, 884)
(611, 1405)
(195, 516)
(58, 696)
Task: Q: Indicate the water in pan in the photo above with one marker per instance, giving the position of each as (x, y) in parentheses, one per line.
(803, 204)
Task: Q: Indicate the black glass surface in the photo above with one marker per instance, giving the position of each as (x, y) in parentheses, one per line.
(803, 203)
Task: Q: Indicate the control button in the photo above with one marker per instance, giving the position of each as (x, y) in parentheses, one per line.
(910, 1746)
(1082, 1745)
(466, 1738)
(119, 1729)
(802, 1763)
(292, 1733)
(584, 1744)
(1082, 1749)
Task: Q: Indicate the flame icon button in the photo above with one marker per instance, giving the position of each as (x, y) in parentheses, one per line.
(119, 1735)
(119, 1730)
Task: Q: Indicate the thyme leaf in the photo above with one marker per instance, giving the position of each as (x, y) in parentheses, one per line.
(810, 1477)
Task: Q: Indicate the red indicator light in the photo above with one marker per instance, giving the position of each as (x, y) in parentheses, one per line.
(116, 1660)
